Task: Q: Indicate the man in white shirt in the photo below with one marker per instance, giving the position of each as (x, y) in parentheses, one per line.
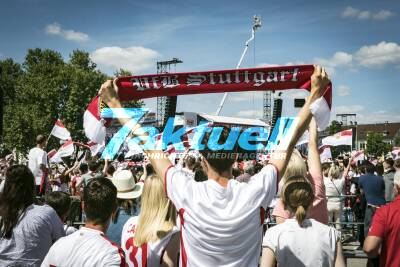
(38, 164)
(89, 246)
(221, 219)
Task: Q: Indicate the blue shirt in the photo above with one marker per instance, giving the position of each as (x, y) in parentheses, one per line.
(114, 231)
(374, 189)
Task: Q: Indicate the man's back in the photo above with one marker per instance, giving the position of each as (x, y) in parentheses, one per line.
(221, 226)
(36, 157)
(386, 225)
(85, 247)
(374, 189)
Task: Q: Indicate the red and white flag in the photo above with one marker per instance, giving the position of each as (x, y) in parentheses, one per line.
(60, 131)
(66, 150)
(340, 138)
(358, 156)
(325, 153)
(94, 127)
(95, 148)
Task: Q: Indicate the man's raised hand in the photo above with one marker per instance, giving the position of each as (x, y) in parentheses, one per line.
(109, 92)
(319, 81)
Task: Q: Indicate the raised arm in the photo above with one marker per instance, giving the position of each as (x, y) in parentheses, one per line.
(319, 81)
(314, 161)
(159, 160)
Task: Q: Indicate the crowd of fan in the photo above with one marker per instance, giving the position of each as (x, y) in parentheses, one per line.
(200, 211)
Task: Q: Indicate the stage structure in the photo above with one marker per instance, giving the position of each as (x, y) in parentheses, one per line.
(166, 105)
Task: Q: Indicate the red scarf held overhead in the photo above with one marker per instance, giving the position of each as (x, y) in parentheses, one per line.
(205, 82)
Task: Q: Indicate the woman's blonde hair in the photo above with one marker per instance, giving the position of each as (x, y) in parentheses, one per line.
(295, 167)
(157, 213)
(334, 172)
(297, 196)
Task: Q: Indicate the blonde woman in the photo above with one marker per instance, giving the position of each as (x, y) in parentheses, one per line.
(334, 184)
(297, 166)
(152, 238)
(300, 241)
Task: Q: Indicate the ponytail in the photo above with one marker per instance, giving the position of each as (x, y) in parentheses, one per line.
(300, 214)
(297, 197)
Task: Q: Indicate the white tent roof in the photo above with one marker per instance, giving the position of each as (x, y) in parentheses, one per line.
(234, 120)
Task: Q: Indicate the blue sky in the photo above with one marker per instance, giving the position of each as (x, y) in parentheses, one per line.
(358, 42)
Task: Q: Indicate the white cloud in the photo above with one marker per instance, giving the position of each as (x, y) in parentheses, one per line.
(250, 113)
(372, 56)
(350, 12)
(376, 56)
(343, 90)
(382, 15)
(71, 35)
(338, 59)
(378, 116)
(348, 109)
(134, 58)
(364, 15)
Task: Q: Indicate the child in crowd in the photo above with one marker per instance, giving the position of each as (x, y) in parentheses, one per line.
(300, 241)
(61, 202)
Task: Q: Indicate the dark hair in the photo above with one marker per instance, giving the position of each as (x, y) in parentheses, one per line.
(110, 170)
(83, 167)
(369, 167)
(18, 194)
(389, 161)
(200, 175)
(60, 202)
(127, 205)
(396, 163)
(100, 200)
(325, 166)
(236, 172)
(220, 159)
(93, 165)
(190, 162)
(40, 139)
(379, 169)
(149, 169)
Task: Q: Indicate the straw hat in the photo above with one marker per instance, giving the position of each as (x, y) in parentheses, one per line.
(126, 186)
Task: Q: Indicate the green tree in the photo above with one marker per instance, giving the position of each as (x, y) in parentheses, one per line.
(335, 127)
(44, 89)
(397, 141)
(375, 144)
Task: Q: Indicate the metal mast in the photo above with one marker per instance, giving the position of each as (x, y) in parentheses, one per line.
(256, 25)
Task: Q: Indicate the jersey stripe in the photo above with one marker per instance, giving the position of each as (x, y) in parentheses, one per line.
(183, 250)
(165, 179)
(120, 251)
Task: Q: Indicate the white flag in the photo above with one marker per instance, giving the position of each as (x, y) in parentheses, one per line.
(60, 131)
(66, 150)
(340, 138)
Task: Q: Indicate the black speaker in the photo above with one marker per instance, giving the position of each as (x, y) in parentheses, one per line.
(277, 112)
(170, 107)
(299, 102)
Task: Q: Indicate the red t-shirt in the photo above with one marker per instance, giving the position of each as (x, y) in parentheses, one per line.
(386, 225)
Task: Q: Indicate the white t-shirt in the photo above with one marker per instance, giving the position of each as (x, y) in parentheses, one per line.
(314, 244)
(36, 157)
(333, 189)
(149, 254)
(221, 226)
(85, 247)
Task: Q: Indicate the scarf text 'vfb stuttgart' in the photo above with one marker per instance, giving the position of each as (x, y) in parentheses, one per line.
(205, 82)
